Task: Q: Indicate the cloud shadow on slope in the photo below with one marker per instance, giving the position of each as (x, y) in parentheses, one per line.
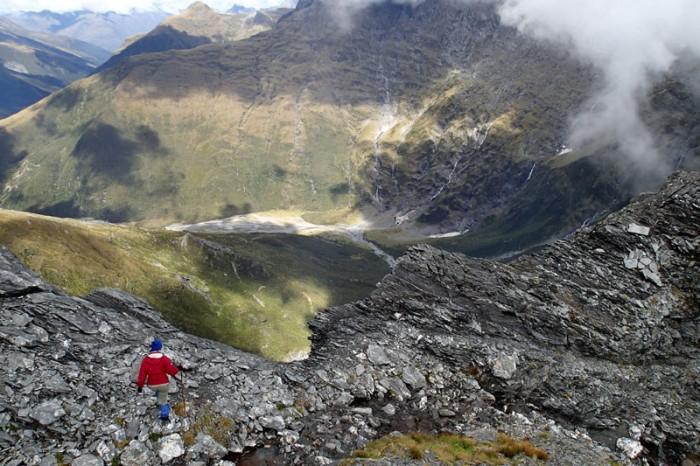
(112, 155)
(8, 157)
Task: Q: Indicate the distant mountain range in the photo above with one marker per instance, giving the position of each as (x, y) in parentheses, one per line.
(42, 52)
(433, 119)
(195, 26)
(109, 30)
(33, 64)
(105, 30)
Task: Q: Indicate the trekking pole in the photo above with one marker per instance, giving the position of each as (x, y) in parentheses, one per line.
(183, 395)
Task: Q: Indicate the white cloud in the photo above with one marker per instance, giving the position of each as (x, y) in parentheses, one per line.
(124, 6)
(633, 42)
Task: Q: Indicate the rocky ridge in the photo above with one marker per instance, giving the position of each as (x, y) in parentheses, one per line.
(589, 347)
(195, 26)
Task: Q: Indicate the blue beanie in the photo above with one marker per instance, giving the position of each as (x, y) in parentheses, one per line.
(157, 345)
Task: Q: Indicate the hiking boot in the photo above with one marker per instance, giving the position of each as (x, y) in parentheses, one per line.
(165, 412)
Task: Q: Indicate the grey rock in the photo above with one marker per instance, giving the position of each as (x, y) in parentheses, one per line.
(275, 423)
(170, 447)
(16, 281)
(504, 366)
(377, 355)
(56, 384)
(413, 377)
(631, 448)
(652, 277)
(106, 450)
(87, 460)
(631, 261)
(15, 319)
(363, 411)
(17, 337)
(206, 448)
(638, 229)
(49, 460)
(136, 454)
(396, 388)
(16, 361)
(389, 409)
(48, 412)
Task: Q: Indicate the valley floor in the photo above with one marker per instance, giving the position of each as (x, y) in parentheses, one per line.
(288, 223)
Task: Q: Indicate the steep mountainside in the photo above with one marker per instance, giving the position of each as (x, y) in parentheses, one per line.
(32, 65)
(588, 348)
(435, 114)
(195, 26)
(105, 30)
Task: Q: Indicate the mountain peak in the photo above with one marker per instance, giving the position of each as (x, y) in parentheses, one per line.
(198, 11)
(197, 8)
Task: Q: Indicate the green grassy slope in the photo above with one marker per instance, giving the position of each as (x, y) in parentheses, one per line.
(252, 292)
(303, 116)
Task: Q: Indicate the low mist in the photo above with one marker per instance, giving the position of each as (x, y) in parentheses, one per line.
(634, 43)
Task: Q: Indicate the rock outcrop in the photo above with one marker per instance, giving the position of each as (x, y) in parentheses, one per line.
(589, 347)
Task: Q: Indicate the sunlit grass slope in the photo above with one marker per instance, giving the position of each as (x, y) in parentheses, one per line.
(253, 292)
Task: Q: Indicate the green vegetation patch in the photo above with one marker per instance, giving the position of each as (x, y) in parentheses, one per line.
(449, 448)
(204, 419)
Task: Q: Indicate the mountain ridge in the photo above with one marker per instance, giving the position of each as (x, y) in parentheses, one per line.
(106, 30)
(196, 25)
(588, 348)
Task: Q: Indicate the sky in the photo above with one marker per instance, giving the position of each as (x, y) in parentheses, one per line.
(124, 6)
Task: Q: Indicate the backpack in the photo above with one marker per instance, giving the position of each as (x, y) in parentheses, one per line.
(135, 369)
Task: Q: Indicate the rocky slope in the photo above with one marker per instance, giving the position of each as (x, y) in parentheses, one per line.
(434, 113)
(588, 347)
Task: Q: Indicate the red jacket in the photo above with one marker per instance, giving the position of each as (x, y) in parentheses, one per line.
(155, 369)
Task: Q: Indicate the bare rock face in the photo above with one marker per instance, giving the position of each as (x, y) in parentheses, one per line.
(571, 332)
(593, 359)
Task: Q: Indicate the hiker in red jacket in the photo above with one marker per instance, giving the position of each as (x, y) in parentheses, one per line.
(155, 368)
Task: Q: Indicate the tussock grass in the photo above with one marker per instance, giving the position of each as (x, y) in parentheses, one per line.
(451, 448)
(205, 420)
